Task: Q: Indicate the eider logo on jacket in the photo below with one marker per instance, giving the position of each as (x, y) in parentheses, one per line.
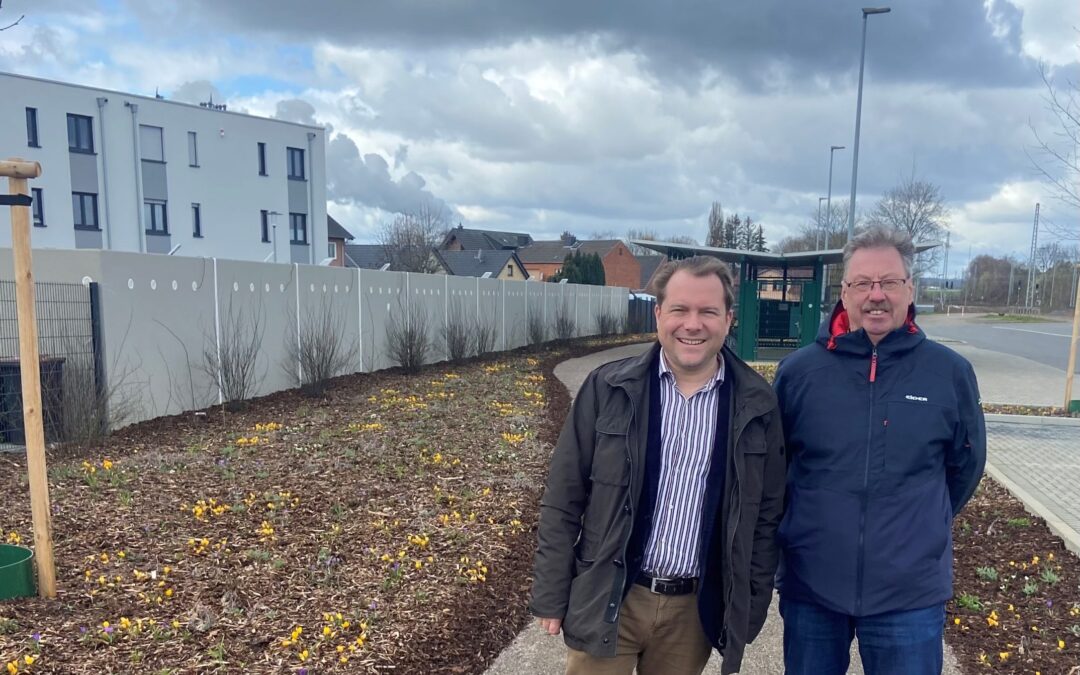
(916, 398)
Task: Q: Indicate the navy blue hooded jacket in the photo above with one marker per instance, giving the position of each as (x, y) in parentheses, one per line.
(885, 446)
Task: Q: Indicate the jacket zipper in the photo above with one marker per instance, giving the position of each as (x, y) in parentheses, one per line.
(865, 491)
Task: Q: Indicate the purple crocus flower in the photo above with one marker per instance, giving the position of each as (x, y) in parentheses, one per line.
(36, 637)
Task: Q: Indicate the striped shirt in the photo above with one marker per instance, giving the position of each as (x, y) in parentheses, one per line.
(687, 432)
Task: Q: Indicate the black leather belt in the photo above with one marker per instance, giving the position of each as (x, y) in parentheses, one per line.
(682, 586)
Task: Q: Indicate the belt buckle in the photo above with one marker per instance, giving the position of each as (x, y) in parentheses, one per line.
(653, 581)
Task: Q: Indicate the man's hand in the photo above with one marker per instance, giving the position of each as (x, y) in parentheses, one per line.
(551, 626)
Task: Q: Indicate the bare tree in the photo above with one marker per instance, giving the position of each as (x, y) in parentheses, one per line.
(918, 208)
(641, 235)
(828, 233)
(1057, 152)
(715, 237)
(408, 240)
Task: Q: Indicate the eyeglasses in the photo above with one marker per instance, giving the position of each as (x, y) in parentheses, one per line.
(887, 285)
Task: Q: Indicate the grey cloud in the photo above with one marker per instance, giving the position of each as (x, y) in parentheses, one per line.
(926, 40)
(296, 110)
(366, 179)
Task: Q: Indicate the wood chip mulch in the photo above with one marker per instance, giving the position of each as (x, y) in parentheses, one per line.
(1017, 591)
(386, 527)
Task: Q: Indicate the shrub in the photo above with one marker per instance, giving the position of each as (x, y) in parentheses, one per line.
(407, 340)
(322, 351)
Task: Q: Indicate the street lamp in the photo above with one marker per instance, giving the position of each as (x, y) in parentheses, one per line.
(817, 240)
(867, 11)
(828, 202)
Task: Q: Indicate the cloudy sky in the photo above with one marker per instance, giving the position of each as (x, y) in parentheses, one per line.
(603, 116)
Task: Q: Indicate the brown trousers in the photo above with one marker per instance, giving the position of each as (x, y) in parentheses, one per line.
(658, 635)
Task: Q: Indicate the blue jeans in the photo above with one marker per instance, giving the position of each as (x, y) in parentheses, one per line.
(817, 641)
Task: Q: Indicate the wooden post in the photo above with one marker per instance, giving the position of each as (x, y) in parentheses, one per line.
(17, 172)
(1072, 349)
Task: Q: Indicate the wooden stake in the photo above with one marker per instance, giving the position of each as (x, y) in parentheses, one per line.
(17, 172)
(1072, 348)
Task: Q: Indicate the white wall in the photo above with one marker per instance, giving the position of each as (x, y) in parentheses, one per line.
(226, 184)
(160, 313)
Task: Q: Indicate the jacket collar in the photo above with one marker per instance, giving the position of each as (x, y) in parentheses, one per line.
(836, 335)
(753, 395)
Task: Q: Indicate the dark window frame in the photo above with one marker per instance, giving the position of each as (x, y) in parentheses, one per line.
(157, 206)
(264, 220)
(80, 213)
(38, 207)
(196, 220)
(80, 133)
(32, 140)
(262, 159)
(295, 163)
(300, 218)
(193, 149)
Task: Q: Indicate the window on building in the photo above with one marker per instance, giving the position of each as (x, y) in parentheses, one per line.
(331, 250)
(196, 220)
(80, 133)
(31, 128)
(84, 210)
(509, 270)
(192, 149)
(296, 163)
(298, 228)
(262, 159)
(39, 206)
(264, 217)
(155, 217)
(150, 143)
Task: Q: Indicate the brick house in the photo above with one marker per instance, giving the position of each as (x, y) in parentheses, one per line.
(544, 259)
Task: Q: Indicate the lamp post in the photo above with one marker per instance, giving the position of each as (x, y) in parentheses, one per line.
(866, 12)
(828, 199)
(817, 242)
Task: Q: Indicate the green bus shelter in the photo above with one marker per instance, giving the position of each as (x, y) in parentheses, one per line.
(779, 296)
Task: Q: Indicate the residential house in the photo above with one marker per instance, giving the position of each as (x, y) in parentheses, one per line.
(337, 236)
(544, 259)
(501, 264)
(123, 172)
(366, 256)
(649, 265)
(463, 239)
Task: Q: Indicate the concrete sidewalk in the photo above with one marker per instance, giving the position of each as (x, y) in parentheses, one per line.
(1038, 460)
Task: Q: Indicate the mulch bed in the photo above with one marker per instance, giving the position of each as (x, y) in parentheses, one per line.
(387, 526)
(1017, 591)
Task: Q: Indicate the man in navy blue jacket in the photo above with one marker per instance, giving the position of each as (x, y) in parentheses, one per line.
(887, 442)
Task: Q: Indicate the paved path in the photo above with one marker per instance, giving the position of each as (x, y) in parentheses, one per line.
(1038, 460)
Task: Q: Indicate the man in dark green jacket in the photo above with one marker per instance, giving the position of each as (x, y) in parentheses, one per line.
(657, 528)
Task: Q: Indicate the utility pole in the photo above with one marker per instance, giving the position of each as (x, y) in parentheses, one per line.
(1029, 298)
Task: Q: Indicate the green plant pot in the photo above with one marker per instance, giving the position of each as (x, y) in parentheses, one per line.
(16, 572)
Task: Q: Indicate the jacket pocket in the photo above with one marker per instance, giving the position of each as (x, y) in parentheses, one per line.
(751, 446)
(611, 461)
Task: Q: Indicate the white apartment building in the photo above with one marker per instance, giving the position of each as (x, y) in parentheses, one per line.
(132, 173)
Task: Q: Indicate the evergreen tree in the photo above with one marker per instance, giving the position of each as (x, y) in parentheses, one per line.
(715, 236)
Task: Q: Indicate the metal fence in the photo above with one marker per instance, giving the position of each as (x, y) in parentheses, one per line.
(69, 345)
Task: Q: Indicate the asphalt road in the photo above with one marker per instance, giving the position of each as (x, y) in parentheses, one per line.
(1045, 342)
